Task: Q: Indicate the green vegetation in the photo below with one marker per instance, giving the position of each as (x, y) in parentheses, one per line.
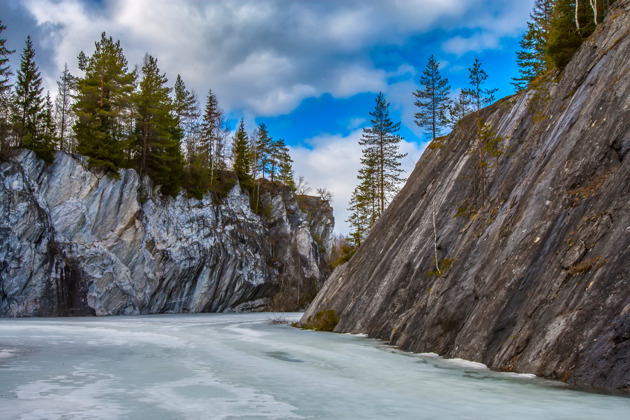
(432, 99)
(325, 320)
(122, 118)
(380, 172)
(442, 266)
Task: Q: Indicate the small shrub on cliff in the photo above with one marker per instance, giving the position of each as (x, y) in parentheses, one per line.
(325, 320)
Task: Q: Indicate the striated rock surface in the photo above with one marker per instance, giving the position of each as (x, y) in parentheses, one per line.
(540, 275)
(76, 242)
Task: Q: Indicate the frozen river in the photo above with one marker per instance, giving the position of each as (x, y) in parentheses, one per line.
(240, 366)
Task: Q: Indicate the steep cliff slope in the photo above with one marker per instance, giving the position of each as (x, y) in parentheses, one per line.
(539, 279)
(75, 242)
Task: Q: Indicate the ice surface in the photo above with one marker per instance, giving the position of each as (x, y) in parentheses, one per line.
(240, 366)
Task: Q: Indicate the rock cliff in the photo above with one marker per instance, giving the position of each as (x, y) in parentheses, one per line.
(77, 242)
(539, 276)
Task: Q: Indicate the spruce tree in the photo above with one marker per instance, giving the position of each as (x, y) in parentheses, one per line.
(263, 145)
(5, 91)
(46, 139)
(157, 132)
(241, 154)
(103, 106)
(381, 142)
(28, 100)
(432, 99)
(532, 58)
(63, 110)
(187, 110)
(211, 147)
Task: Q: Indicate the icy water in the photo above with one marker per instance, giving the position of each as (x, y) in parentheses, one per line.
(240, 366)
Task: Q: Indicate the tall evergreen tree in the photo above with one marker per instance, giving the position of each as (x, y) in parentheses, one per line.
(103, 127)
(278, 156)
(211, 148)
(63, 110)
(381, 141)
(241, 154)
(5, 91)
(432, 99)
(46, 139)
(263, 147)
(532, 58)
(157, 131)
(187, 110)
(28, 99)
(379, 175)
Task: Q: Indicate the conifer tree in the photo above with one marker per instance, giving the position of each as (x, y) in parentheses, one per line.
(63, 110)
(432, 99)
(278, 156)
(381, 142)
(241, 153)
(379, 176)
(263, 146)
(532, 58)
(187, 110)
(45, 142)
(211, 148)
(28, 99)
(5, 91)
(157, 130)
(103, 106)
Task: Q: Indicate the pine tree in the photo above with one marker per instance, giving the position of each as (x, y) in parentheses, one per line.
(285, 170)
(187, 110)
(381, 141)
(241, 153)
(263, 146)
(532, 58)
(46, 140)
(157, 130)
(28, 100)
(63, 110)
(432, 99)
(379, 176)
(278, 156)
(103, 127)
(212, 137)
(5, 92)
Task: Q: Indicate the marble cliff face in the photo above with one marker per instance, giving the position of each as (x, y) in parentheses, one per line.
(539, 275)
(77, 242)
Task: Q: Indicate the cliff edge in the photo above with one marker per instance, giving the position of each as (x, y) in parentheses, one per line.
(78, 242)
(538, 278)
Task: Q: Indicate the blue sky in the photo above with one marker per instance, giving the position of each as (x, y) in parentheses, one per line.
(310, 70)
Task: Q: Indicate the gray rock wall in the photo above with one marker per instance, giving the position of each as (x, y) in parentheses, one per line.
(540, 275)
(76, 242)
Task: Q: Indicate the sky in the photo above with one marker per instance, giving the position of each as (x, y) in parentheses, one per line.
(309, 69)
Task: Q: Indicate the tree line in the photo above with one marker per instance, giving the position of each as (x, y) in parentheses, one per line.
(130, 118)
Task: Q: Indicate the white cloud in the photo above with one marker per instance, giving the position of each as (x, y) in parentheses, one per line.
(261, 57)
(333, 162)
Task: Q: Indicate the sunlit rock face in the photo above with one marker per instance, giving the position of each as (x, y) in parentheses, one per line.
(76, 242)
(539, 276)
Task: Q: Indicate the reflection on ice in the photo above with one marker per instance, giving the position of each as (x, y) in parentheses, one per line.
(238, 365)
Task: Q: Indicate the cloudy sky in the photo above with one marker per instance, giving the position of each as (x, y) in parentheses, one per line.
(309, 69)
